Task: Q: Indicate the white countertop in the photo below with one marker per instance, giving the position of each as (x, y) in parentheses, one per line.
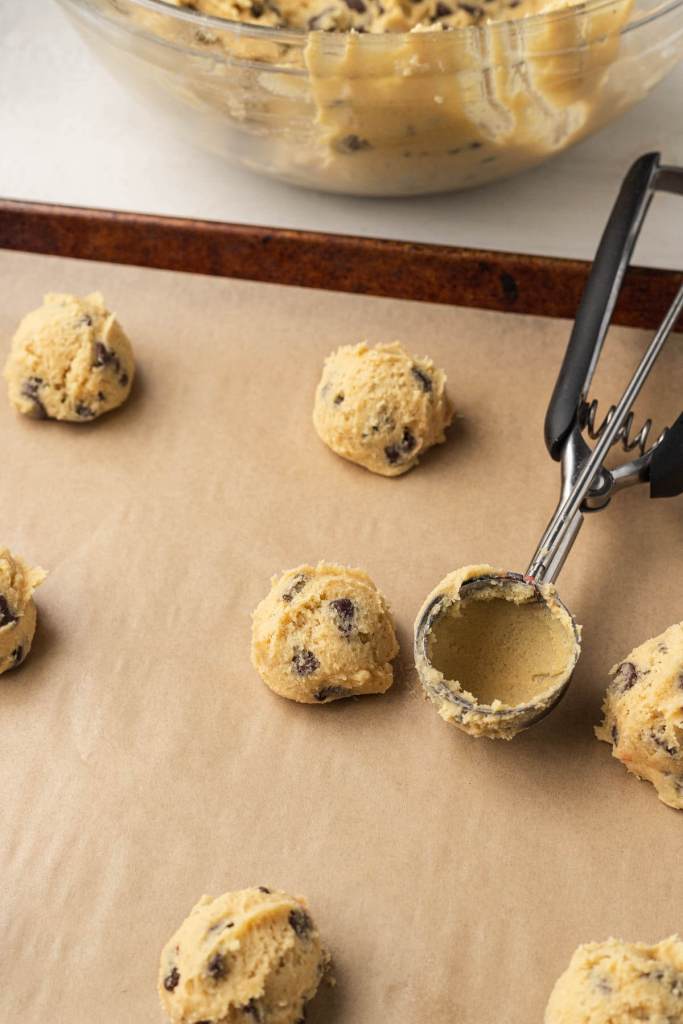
(71, 134)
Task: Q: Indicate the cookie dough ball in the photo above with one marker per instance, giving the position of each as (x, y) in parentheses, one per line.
(17, 610)
(381, 407)
(253, 955)
(643, 714)
(323, 633)
(618, 982)
(70, 360)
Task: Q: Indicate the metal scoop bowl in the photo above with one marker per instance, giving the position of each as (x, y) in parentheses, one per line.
(587, 486)
(460, 702)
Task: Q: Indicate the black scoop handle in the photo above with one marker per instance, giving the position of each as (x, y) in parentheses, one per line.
(599, 299)
(666, 467)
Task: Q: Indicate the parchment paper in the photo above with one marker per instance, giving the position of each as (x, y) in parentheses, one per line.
(143, 763)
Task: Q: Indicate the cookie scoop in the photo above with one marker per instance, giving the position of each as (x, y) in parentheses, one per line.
(494, 649)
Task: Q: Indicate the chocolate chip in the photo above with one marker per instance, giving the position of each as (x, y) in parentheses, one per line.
(408, 441)
(257, 10)
(263, 888)
(83, 410)
(31, 386)
(660, 740)
(626, 677)
(338, 398)
(18, 654)
(253, 1009)
(86, 320)
(356, 5)
(344, 610)
(423, 379)
(304, 662)
(443, 10)
(123, 380)
(6, 616)
(353, 144)
(331, 691)
(217, 967)
(29, 389)
(615, 734)
(300, 922)
(171, 980)
(297, 585)
(106, 357)
(392, 454)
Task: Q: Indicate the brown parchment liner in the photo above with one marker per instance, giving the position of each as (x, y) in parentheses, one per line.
(142, 761)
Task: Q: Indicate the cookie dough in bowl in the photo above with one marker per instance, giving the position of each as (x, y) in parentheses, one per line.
(254, 955)
(617, 982)
(494, 650)
(323, 633)
(70, 360)
(643, 714)
(386, 97)
(381, 407)
(17, 609)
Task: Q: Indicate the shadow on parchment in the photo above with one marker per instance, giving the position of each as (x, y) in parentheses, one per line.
(328, 1005)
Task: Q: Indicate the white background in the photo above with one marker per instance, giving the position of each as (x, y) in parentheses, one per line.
(71, 134)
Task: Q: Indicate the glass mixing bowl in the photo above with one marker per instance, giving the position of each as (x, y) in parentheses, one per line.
(390, 114)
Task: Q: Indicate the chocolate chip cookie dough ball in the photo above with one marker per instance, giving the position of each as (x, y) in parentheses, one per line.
(70, 360)
(248, 956)
(618, 982)
(17, 610)
(323, 633)
(643, 714)
(381, 407)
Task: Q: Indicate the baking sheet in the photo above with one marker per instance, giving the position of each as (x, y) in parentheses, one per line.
(144, 763)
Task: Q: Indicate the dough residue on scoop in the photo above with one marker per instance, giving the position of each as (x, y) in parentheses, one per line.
(617, 982)
(494, 649)
(17, 609)
(70, 360)
(243, 957)
(643, 714)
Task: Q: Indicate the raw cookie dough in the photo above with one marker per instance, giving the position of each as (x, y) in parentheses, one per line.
(493, 651)
(429, 107)
(17, 610)
(617, 982)
(643, 714)
(70, 360)
(323, 633)
(381, 407)
(377, 16)
(248, 956)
